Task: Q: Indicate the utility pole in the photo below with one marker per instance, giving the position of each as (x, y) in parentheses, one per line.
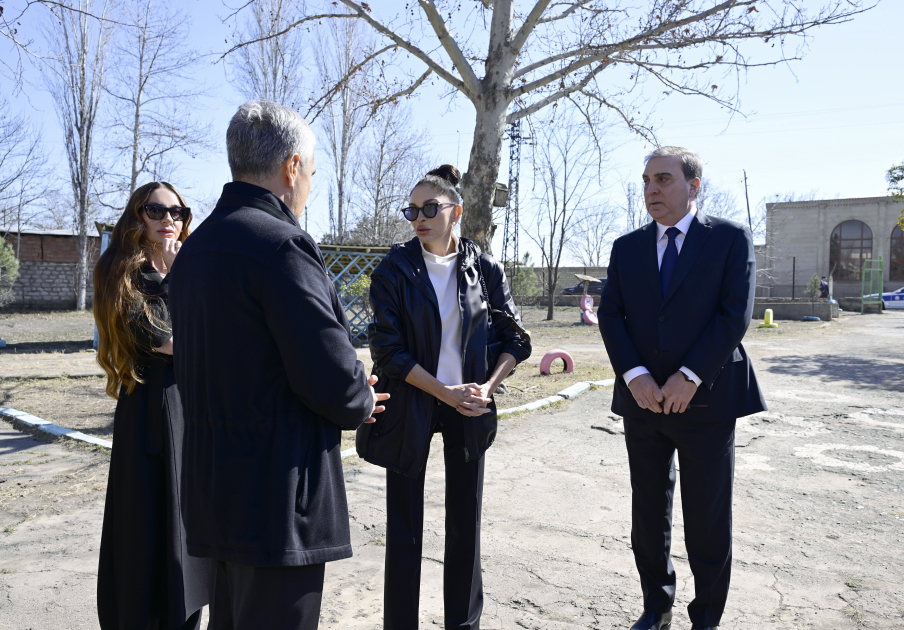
(510, 234)
(749, 220)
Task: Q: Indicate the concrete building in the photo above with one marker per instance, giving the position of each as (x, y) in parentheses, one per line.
(47, 262)
(830, 236)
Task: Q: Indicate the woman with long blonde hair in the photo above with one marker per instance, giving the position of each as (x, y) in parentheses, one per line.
(146, 579)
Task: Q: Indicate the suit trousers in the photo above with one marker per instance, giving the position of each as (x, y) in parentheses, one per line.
(275, 598)
(706, 460)
(462, 580)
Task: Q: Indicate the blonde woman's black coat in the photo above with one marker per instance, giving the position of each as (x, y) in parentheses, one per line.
(406, 331)
(145, 572)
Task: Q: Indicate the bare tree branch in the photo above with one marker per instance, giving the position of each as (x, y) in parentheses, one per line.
(564, 14)
(643, 131)
(76, 80)
(530, 23)
(559, 49)
(154, 117)
(374, 105)
(450, 46)
(405, 44)
(552, 98)
(288, 28)
(325, 99)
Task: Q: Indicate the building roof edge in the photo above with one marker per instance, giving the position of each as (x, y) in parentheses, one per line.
(815, 203)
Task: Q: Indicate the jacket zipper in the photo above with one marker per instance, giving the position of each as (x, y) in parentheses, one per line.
(461, 312)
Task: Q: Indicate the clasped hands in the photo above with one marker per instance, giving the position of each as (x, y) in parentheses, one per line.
(469, 399)
(674, 396)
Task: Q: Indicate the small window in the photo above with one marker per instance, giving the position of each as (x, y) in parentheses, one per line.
(896, 260)
(850, 245)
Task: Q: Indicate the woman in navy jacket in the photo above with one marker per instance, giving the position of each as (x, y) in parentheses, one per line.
(428, 340)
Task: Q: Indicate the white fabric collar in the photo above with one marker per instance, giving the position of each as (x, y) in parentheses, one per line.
(440, 259)
(683, 225)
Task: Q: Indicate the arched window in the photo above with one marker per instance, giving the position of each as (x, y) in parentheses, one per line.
(896, 264)
(851, 244)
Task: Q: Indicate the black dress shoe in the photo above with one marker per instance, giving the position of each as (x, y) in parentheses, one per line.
(652, 621)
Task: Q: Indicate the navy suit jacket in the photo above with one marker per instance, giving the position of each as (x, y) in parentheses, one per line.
(698, 323)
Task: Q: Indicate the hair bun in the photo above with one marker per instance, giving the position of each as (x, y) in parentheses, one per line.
(448, 173)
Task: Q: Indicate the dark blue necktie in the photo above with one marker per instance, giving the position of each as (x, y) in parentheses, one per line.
(669, 259)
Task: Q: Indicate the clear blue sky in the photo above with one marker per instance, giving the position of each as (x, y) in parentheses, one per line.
(831, 122)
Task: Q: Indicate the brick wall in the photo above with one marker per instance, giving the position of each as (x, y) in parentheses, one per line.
(47, 265)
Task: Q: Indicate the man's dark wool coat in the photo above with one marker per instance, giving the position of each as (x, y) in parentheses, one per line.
(268, 377)
(698, 323)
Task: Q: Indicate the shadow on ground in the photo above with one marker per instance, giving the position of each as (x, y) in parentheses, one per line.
(38, 347)
(13, 441)
(870, 373)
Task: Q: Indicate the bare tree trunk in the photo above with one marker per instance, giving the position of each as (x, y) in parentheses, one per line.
(154, 96)
(76, 83)
(136, 141)
(340, 50)
(491, 105)
(478, 185)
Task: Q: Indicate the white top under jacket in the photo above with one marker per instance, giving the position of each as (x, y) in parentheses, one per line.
(443, 272)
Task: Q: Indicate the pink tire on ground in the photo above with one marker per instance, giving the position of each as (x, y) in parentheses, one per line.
(552, 355)
(589, 318)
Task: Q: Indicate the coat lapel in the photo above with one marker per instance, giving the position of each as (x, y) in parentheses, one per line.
(697, 234)
(411, 263)
(651, 259)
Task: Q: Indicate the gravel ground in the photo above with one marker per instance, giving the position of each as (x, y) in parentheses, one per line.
(819, 508)
(29, 331)
(42, 343)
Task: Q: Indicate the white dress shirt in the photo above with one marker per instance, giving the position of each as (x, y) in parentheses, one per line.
(443, 273)
(662, 241)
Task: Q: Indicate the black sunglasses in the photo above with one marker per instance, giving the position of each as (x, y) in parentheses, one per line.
(157, 212)
(429, 210)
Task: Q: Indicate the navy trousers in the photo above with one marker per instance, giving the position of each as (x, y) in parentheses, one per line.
(275, 598)
(462, 580)
(706, 459)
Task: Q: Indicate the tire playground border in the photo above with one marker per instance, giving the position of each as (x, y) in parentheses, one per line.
(33, 422)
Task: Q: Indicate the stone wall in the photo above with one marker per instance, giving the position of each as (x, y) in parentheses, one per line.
(802, 230)
(47, 264)
(48, 286)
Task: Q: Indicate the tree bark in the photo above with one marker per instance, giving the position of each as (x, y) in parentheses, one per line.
(491, 104)
(478, 185)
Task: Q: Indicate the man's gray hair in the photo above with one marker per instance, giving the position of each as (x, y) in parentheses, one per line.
(263, 135)
(691, 163)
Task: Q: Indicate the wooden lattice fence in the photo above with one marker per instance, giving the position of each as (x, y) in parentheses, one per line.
(346, 265)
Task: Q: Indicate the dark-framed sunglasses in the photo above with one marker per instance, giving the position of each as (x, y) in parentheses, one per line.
(156, 212)
(429, 210)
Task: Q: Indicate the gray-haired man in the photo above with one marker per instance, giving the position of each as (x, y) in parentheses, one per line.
(268, 378)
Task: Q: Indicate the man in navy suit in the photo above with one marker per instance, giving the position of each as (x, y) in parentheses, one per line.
(678, 300)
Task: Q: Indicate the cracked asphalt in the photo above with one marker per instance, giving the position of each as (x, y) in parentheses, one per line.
(818, 521)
